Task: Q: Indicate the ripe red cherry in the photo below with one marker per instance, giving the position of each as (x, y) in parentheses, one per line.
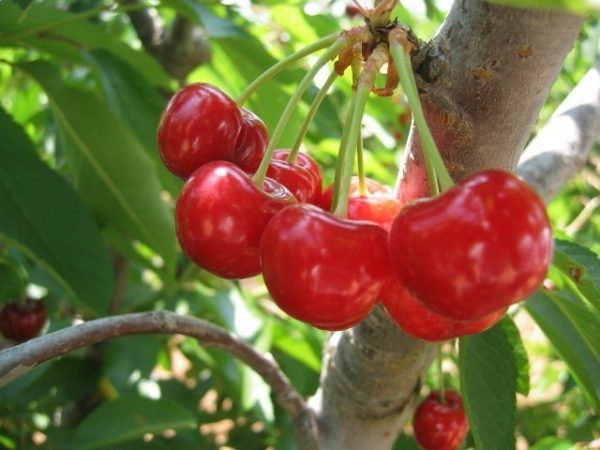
(303, 178)
(477, 248)
(374, 189)
(419, 322)
(252, 142)
(221, 215)
(200, 124)
(323, 270)
(22, 321)
(440, 426)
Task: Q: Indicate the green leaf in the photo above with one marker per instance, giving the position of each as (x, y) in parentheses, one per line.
(12, 281)
(574, 6)
(580, 268)
(128, 418)
(215, 27)
(488, 378)
(40, 213)
(569, 343)
(116, 178)
(55, 30)
(135, 102)
(521, 358)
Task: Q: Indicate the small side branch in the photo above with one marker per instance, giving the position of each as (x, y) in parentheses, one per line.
(18, 360)
(562, 146)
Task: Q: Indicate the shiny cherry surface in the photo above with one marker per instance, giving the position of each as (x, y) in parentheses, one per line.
(251, 143)
(323, 270)
(419, 322)
(303, 178)
(221, 215)
(200, 124)
(374, 189)
(477, 248)
(20, 321)
(440, 426)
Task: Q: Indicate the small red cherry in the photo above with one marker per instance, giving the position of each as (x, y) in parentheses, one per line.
(200, 124)
(252, 142)
(22, 321)
(477, 248)
(303, 177)
(323, 270)
(416, 320)
(221, 215)
(352, 11)
(438, 425)
(374, 189)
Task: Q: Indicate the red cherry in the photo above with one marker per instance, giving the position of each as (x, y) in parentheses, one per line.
(352, 11)
(321, 269)
(304, 177)
(440, 426)
(477, 248)
(381, 210)
(374, 189)
(200, 124)
(416, 320)
(221, 215)
(22, 321)
(252, 142)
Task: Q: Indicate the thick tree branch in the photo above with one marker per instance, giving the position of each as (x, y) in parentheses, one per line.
(484, 79)
(562, 146)
(18, 360)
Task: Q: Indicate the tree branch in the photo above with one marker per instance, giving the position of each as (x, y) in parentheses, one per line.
(484, 78)
(562, 146)
(179, 49)
(18, 360)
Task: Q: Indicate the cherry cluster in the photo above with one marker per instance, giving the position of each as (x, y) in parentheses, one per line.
(442, 267)
(22, 320)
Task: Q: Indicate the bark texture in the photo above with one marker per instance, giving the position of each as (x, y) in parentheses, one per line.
(483, 80)
(562, 147)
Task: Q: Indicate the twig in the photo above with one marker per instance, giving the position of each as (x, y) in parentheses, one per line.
(583, 216)
(18, 360)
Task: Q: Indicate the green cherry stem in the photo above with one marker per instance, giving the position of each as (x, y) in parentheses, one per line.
(366, 82)
(285, 63)
(331, 52)
(340, 159)
(362, 186)
(442, 380)
(310, 116)
(434, 164)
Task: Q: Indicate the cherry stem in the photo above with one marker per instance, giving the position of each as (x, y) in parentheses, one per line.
(310, 116)
(442, 381)
(285, 63)
(340, 160)
(366, 81)
(362, 185)
(260, 174)
(434, 164)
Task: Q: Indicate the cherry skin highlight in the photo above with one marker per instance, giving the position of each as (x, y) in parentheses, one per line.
(199, 125)
(22, 321)
(416, 320)
(477, 248)
(374, 189)
(252, 142)
(221, 215)
(440, 426)
(303, 177)
(323, 270)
